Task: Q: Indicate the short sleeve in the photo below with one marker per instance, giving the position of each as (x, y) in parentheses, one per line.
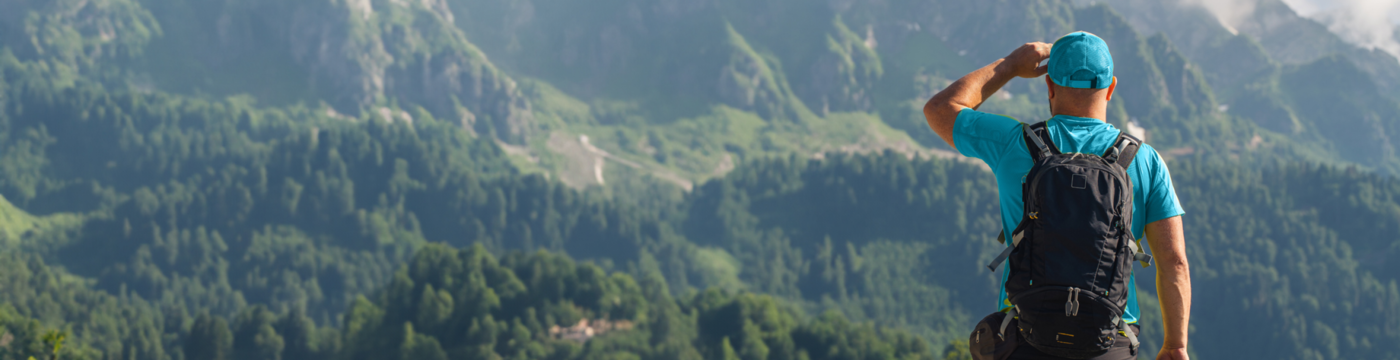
(1162, 202)
(985, 136)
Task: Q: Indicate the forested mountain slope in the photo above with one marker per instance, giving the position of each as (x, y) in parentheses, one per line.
(184, 207)
(1287, 74)
(679, 92)
(248, 179)
(1218, 91)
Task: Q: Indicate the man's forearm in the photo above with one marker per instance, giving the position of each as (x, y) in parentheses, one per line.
(1174, 293)
(971, 90)
(968, 92)
(1173, 279)
(975, 87)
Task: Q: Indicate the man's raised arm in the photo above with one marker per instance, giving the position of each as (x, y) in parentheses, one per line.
(974, 88)
(1173, 283)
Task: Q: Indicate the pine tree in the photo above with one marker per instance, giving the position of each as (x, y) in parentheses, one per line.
(209, 338)
(753, 347)
(726, 351)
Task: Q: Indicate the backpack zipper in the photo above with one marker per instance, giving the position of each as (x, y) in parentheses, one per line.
(1122, 247)
(1117, 311)
(1072, 302)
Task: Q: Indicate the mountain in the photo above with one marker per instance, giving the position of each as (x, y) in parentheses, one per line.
(676, 93)
(246, 179)
(1288, 74)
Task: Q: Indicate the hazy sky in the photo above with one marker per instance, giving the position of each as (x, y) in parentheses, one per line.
(1369, 23)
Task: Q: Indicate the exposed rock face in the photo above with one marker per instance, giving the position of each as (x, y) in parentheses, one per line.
(405, 49)
(589, 48)
(349, 66)
(360, 54)
(437, 67)
(843, 79)
(1186, 89)
(748, 81)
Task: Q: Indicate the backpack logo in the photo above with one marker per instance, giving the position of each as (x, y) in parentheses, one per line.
(1080, 181)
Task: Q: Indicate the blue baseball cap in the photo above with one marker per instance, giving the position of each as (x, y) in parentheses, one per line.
(1081, 60)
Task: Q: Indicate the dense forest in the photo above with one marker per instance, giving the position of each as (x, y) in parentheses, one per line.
(218, 230)
(148, 226)
(182, 180)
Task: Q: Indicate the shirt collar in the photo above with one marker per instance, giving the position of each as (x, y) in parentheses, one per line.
(1075, 121)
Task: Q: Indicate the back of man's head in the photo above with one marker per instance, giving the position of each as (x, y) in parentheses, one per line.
(1080, 75)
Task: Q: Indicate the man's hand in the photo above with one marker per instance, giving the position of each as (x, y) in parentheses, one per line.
(1172, 354)
(972, 89)
(1025, 60)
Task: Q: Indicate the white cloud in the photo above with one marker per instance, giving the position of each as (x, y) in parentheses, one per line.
(1366, 23)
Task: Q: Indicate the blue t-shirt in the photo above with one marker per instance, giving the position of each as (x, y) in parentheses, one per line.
(999, 141)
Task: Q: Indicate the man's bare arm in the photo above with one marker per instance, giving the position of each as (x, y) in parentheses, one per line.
(1173, 283)
(974, 88)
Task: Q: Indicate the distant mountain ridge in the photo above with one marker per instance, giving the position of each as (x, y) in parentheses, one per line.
(676, 89)
(1290, 75)
(166, 163)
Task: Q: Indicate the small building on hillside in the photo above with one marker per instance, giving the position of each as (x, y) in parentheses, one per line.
(585, 329)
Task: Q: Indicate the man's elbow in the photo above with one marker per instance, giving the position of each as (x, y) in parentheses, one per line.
(1174, 265)
(931, 108)
(940, 112)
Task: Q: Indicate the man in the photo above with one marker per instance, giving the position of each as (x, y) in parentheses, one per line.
(1080, 83)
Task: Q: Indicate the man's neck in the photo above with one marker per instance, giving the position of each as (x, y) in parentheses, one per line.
(1099, 115)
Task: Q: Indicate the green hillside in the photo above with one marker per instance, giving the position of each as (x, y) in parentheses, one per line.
(190, 217)
(676, 94)
(248, 179)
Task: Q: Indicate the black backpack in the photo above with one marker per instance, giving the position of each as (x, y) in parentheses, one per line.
(1072, 255)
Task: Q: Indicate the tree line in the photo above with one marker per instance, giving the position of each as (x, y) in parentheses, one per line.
(152, 226)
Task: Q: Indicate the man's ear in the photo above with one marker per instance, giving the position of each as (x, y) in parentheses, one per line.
(1050, 85)
(1111, 87)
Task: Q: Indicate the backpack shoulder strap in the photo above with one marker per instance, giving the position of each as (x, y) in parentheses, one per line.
(1038, 137)
(1123, 150)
